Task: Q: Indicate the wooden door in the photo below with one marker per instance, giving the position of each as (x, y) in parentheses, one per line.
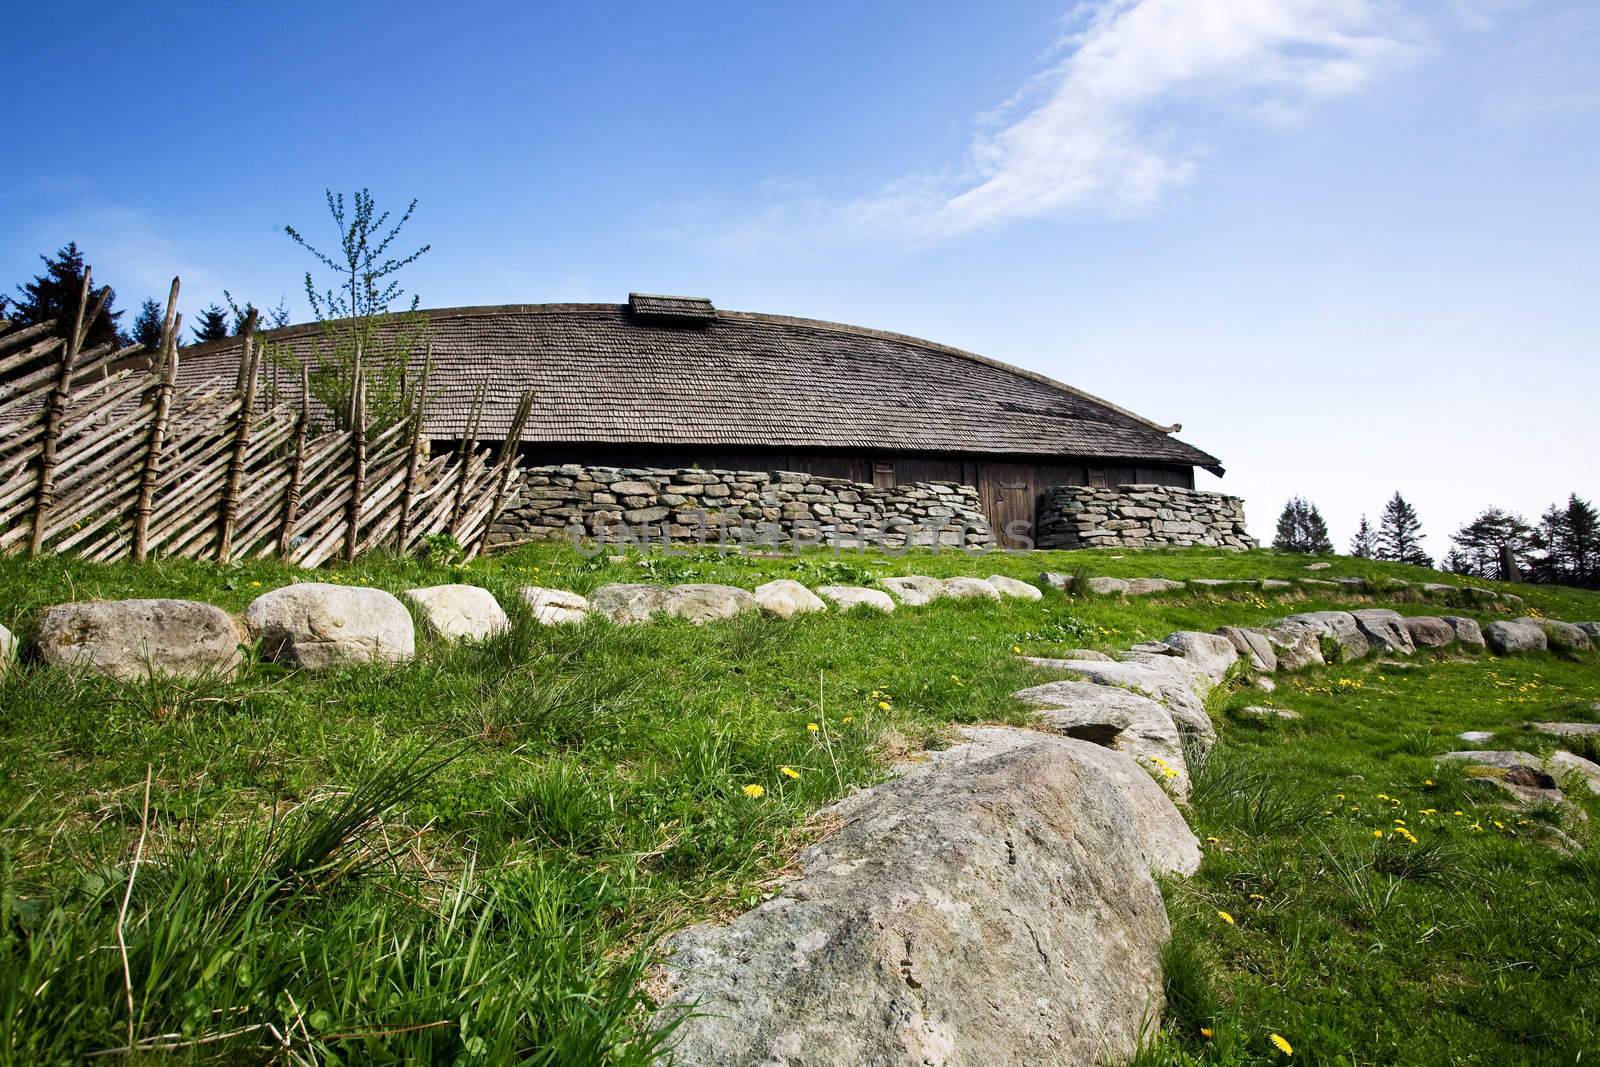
(1008, 494)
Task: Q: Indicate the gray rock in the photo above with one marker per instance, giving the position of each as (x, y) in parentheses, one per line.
(1567, 729)
(991, 905)
(1265, 684)
(1086, 653)
(1477, 737)
(1385, 630)
(315, 625)
(914, 590)
(1296, 647)
(1106, 586)
(1565, 763)
(628, 603)
(1508, 638)
(1271, 585)
(852, 596)
(1592, 629)
(1261, 711)
(554, 607)
(1147, 586)
(1253, 645)
(1520, 774)
(969, 589)
(1430, 631)
(459, 612)
(1168, 679)
(1561, 635)
(1219, 583)
(1012, 588)
(1558, 765)
(1054, 580)
(1468, 632)
(131, 639)
(8, 650)
(1318, 566)
(786, 598)
(703, 602)
(1117, 718)
(1339, 625)
(1211, 654)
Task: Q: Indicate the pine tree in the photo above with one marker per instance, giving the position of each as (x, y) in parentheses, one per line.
(1364, 545)
(1479, 543)
(1568, 539)
(1400, 534)
(53, 296)
(212, 326)
(147, 327)
(1301, 529)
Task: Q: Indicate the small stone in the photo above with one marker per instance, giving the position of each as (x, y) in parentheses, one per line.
(914, 590)
(1318, 566)
(1107, 586)
(554, 607)
(460, 612)
(316, 625)
(1054, 580)
(132, 639)
(1477, 737)
(1012, 588)
(1266, 685)
(851, 596)
(8, 650)
(1262, 711)
(1468, 632)
(786, 598)
(1148, 586)
(968, 589)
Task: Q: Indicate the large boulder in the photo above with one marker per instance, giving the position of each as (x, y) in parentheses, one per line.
(1592, 629)
(459, 612)
(8, 650)
(1106, 586)
(786, 598)
(1149, 586)
(1116, 718)
(554, 607)
(1253, 645)
(993, 904)
(1468, 632)
(964, 588)
(1339, 625)
(855, 596)
(1430, 631)
(703, 602)
(628, 602)
(1212, 654)
(1509, 638)
(1561, 635)
(1567, 729)
(130, 639)
(1295, 646)
(1167, 679)
(1013, 588)
(315, 625)
(1521, 774)
(1557, 765)
(914, 590)
(1385, 630)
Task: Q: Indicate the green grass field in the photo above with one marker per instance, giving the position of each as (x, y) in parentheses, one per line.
(468, 858)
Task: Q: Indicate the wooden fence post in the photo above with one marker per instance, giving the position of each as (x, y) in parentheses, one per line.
(508, 460)
(297, 466)
(241, 439)
(464, 451)
(56, 411)
(358, 472)
(158, 426)
(413, 459)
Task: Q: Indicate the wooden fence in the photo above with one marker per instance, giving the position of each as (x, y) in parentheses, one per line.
(103, 455)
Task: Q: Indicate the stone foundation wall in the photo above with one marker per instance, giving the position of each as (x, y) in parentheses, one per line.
(692, 506)
(1139, 516)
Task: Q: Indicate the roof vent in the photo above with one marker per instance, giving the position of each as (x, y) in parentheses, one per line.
(685, 309)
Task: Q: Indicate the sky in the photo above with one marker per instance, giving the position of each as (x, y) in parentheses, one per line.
(1351, 245)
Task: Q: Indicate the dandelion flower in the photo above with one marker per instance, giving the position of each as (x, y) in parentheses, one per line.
(813, 727)
(754, 792)
(788, 772)
(1427, 781)
(1205, 1032)
(883, 705)
(1016, 650)
(848, 719)
(1377, 833)
(1257, 896)
(1225, 917)
(1282, 1045)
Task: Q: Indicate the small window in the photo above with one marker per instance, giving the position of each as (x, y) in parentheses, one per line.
(883, 475)
(1097, 478)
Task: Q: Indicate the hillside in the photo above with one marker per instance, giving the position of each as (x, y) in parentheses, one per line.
(535, 812)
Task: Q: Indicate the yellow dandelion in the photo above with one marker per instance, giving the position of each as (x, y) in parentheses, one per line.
(1016, 650)
(1282, 1045)
(883, 705)
(848, 719)
(788, 772)
(1257, 896)
(1427, 781)
(876, 694)
(813, 727)
(1377, 833)
(754, 792)
(1459, 813)
(255, 585)
(1225, 917)
(1205, 1032)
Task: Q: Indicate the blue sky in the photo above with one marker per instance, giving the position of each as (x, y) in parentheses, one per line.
(1352, 245)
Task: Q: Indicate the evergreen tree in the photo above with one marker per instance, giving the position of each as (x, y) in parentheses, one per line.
(1568, 539)
(147, 327)
(53, 296)
(1479, 543)
(1400, 534)
(1364, 545)
(1301, 529)
(212, 325)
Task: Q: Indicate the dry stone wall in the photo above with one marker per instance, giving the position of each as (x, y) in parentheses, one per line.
(1140, 516)
(691, 506)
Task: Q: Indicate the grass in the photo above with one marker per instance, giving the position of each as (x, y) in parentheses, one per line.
(468, 858)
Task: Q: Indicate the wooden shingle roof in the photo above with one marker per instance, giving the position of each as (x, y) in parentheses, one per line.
(604, 374)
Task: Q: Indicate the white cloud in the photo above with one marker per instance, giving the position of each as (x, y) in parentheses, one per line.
(1120, 118)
